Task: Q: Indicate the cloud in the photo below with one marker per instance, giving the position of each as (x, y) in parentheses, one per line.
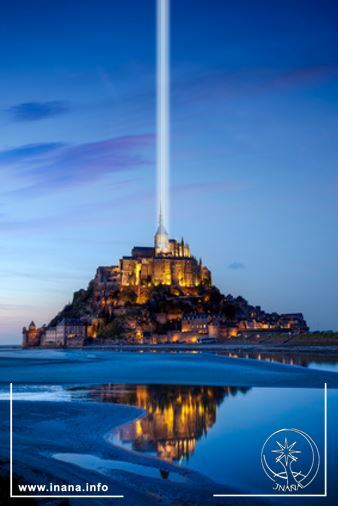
(205, 186)
(17, 226)
(84, 215)
(236, 266)
(198, 86)
(49, 166)
(41, 275)
(35, 111)
(28, 153)
(14, 307)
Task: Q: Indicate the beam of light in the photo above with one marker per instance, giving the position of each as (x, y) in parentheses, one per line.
(163, 110)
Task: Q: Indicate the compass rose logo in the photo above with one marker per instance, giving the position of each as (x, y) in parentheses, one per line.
(290, 458)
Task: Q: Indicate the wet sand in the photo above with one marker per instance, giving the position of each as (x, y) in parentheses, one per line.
(43, 429)
(101, 367)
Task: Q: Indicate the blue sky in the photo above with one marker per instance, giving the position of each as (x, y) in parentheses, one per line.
(254, 127)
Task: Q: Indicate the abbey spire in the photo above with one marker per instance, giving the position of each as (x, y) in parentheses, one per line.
(161, 237)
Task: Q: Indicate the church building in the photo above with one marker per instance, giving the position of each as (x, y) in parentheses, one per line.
(169, 262)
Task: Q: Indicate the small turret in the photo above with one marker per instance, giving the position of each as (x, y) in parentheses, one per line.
(31, 335)
(186, 250)
(181, 247)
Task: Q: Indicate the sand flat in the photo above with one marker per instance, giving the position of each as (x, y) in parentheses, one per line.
(98, 367)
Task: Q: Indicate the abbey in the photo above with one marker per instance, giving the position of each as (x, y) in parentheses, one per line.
(169, 262)
(158, 294)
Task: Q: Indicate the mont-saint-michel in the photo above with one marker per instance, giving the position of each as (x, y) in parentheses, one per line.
(173, 371)
(159, 294)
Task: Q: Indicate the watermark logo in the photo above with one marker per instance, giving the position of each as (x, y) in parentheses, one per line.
(290, 458)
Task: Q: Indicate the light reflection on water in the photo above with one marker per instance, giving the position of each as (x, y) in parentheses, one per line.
(217, 431)
(177, 416)
(312, 360)
(322, 359)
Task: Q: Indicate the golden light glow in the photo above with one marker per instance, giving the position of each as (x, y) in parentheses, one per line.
(176, 417)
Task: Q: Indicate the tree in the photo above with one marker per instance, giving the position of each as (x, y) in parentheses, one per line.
(113, 330)
(128, 296)
(229, 311)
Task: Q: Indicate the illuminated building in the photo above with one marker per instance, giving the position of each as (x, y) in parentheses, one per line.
(66, 332)
(169, 262)
(177, 416)
(122, 302)
(31, 336)
(195, 322)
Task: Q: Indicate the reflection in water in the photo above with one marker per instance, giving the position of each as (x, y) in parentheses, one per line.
(304, 359)
(177, 416)
(94, 463)
(282, 358)
(323, 359)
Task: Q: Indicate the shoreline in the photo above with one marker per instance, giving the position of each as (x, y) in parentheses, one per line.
(302, 343)
(35, 451)
(243, 346)
(44, 429)
(331, 349)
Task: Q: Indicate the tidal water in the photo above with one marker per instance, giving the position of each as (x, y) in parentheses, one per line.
(216, 431)
(313, 360)
(93, 463)
(219, 431)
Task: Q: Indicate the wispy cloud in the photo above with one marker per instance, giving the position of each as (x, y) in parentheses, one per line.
(29, 154)
(236, 266)
(28, 226)
(35, 111)
(199, 86)
(14, 307)
(86, 214)
(204, 186)
(43, 275)
(49, 166)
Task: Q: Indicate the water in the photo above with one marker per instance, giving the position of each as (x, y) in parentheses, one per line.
(36, 393)
(313, 360)
(92, 463)
(324, 366)
(217, 430)
(41, 393)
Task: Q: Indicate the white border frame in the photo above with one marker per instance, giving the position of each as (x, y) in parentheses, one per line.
(14, 496)
(324, 494)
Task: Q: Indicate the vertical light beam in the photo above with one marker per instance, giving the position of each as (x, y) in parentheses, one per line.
(163, 118)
